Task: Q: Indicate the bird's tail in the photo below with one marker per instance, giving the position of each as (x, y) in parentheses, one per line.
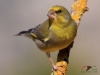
(28, 34)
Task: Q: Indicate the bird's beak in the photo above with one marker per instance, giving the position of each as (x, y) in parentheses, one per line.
(51, 14)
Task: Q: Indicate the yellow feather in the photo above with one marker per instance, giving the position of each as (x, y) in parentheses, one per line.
(33, 35)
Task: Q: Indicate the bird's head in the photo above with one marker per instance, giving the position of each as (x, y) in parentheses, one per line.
(58, 12)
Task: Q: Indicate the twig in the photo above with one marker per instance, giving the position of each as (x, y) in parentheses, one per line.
(78, 9)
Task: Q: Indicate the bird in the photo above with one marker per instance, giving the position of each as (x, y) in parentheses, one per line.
(55, 33)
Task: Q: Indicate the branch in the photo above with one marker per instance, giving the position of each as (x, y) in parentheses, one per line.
(77, 10)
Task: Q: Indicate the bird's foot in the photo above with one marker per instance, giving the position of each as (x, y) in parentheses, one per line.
(55, 68)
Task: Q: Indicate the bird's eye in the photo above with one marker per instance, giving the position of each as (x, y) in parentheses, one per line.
(59, 11)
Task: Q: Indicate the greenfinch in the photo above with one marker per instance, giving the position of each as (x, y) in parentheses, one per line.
(56, 33)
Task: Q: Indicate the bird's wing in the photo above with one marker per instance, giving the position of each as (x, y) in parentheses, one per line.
(41, 31)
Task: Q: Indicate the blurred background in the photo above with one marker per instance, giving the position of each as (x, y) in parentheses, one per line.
(20, 56)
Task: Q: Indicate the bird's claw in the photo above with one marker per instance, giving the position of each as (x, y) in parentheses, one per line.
(55, 68)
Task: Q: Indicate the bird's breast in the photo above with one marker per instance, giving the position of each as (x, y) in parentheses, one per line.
(54, 44)
(58, 39)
